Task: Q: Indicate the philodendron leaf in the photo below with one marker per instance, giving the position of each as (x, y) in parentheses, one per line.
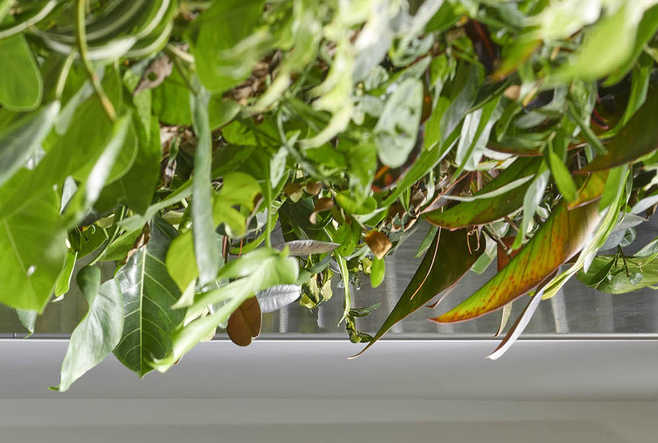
(274, 298)
(32, 249)
(449, 257)
(207, 256)
(244, 324)
(148, 294)
(307, 247)
(482, 211)
(21, 86)
(19, 142)
(563, 235)
(635, 140)
(99, 331)
(261, 269)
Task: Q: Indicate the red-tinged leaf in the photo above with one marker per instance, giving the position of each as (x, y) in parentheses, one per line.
(638, 138)
(562, 236)
(449, 257)
(591, 189)
(486, 210)
(244, 324)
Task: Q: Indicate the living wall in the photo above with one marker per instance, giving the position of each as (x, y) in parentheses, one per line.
(172, 137)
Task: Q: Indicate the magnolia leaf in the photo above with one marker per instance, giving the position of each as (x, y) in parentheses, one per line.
(486, 210)
(274, 298)
(244, 324)
(148, 295)
(99, 331)
(449, 257)
(563, 235)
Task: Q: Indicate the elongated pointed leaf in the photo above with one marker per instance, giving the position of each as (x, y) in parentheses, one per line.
(307, 247)
(560, 238)
(21, 86)
(637, 139)
(487, 210)
(148, 294)
(98, 332)
(449, 257)
(591, 189)
(23, 139)
(207, 256)
(277, 297)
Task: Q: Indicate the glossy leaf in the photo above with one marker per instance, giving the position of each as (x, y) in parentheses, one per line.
(449, 257)
(148, 295)
(377, 272)
(244, 324)
(634, 141)
(560, 238)
(490, 209)
(21, 86)
(98, 332)
(64, 279)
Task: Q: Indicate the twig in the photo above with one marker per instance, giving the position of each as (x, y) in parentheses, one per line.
(81, 34)
(511, 223)
(496, 239)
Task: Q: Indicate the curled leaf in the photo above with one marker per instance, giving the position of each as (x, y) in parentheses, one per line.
(378, 243)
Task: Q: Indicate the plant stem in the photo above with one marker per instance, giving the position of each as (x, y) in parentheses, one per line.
(81, 34)
(176, 59)
(64, 74)
(121, 213)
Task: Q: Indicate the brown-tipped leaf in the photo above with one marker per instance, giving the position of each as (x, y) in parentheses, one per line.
(244, 324)
(562, 236)
(450, 255)
(476, 212)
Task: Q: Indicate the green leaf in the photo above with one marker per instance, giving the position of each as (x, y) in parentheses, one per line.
(137, 221)
(563, 235)
(637, 139)
(148, 295)
(274, 270)
(377, 272)
(137, 187)
(64, 279)
(21, 86)
(615, 279)
(614, 186)
(171, 100)
(218, 30)
(562, 177)
(449, 257)
(207, 256)
(22, 139)
(397, 127)
(494, 207)
(475, 134)
(32, 250)
(99, 331)
(28, 319)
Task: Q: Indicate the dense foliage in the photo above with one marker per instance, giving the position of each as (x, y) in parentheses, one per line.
(171, 137)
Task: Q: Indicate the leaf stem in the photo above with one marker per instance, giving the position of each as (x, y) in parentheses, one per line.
(176, 59)
(81, 34)
(64, 74)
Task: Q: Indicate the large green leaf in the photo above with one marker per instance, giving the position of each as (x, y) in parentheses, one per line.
(562, 236)
(617, 275)
(148, 294)
(482, 211)
(449, 257)
(637, 139)
(21, 86)
(99, 331)
(256, 271)
(215, 32)
(32, 250)
(21, 140)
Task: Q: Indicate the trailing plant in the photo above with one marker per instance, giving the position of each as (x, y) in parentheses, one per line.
(171, 138)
